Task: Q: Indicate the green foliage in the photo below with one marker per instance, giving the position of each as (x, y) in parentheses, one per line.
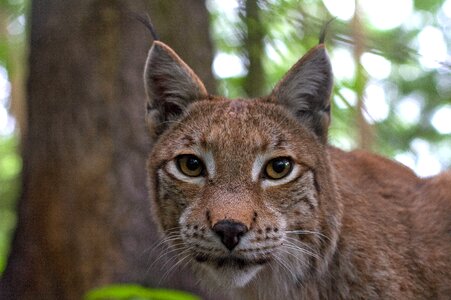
(292, 27)
(12, 47)
(429, 5)
(10, 167)
(136, 292)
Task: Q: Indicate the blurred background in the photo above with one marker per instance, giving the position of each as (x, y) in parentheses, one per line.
(391, 60)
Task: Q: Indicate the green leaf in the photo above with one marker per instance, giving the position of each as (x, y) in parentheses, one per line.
(136, 292)
(429, 5)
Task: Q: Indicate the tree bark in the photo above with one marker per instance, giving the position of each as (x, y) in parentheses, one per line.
(254, 83)
(184, 25)
(364, 130)
(84, 214)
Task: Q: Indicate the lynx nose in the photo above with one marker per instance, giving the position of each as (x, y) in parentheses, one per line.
(230, 232)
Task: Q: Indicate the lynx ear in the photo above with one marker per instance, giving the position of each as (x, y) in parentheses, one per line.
(170, 86)
(305, 90)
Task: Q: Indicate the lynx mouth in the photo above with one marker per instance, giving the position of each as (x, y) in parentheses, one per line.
(231, 261)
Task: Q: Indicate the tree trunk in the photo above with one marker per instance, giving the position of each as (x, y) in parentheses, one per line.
(184, 26)
(364, 130)
(84, 214)
(254, 83)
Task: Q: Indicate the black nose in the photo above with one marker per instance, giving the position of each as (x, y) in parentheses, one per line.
(230, 232)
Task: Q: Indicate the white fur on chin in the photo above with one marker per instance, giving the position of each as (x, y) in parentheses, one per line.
(230, 277)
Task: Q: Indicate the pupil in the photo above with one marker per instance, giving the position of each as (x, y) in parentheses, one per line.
(279, 165)
(192, 163)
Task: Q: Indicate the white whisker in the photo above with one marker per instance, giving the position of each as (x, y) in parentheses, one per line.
(168, 254)
(167, 273)
(283, 264)
(301, 248)
(307, 232)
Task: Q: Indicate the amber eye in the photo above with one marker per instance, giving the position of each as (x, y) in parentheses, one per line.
(278, 168)
(190, 165)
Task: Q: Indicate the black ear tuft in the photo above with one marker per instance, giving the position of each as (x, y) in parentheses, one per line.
(147, 22)
(322, 35)
(171, 87)
(305, 91)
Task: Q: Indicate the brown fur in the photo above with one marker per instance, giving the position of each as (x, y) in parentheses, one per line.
(344, 226)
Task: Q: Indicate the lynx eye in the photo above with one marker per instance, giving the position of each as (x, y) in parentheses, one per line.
(190, 165)
(278, 168)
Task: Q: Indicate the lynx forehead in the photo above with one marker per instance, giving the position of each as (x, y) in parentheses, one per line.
(248, 193)
(236, 106)
(236, 148)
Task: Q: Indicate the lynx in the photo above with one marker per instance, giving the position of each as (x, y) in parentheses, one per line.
(251, 195)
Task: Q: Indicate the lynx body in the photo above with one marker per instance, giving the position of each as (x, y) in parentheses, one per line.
(252, 196)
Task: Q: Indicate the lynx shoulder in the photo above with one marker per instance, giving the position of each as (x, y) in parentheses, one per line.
(251, 193)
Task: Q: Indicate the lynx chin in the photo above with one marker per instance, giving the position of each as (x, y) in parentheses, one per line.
(250, 194)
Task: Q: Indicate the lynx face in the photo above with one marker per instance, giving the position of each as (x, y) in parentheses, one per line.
(239, 186)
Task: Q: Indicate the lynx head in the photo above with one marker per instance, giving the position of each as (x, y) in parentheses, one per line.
(242, 188)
